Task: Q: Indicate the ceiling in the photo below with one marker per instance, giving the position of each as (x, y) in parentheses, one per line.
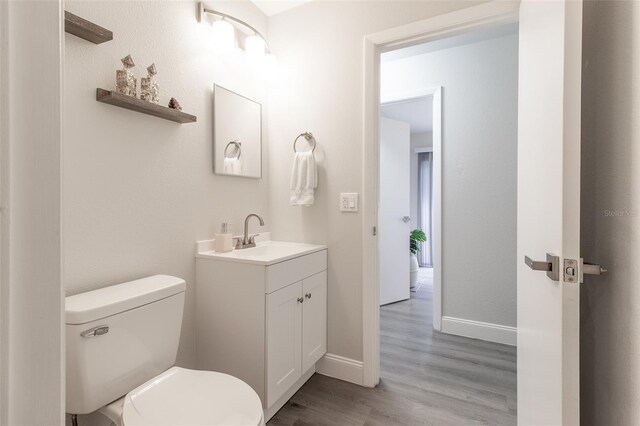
(273, 7)
(418, 113)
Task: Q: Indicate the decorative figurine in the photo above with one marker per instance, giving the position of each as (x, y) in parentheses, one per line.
(173, 104)
(149, 90)
(126, 83)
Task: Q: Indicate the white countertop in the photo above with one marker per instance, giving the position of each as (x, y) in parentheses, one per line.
(264, 253)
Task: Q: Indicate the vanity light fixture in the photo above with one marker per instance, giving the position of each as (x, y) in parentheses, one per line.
(224, 34)
(254, 45)
(224, 30)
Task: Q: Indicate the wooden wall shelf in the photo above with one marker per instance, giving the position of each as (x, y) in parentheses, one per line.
(135, 104)
(86, 29)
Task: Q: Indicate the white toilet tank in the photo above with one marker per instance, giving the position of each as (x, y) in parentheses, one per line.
(119, 337)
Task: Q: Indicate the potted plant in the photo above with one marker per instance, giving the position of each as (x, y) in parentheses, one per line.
(416, 236)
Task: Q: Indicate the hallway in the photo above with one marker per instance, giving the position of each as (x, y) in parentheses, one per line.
(455, 379)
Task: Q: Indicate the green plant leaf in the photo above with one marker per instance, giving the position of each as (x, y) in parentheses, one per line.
(416, 236)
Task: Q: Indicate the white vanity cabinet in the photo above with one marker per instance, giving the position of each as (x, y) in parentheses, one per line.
(296, 332)
(263, 322)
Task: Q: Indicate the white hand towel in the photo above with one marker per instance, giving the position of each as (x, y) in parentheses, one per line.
(304, 179)
(232, 166)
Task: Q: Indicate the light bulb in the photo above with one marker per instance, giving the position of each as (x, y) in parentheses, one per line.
(224, 34)
(254, 45)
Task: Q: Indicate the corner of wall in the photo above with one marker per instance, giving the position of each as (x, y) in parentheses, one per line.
(4, 222)
(339, 367)
(31, 197)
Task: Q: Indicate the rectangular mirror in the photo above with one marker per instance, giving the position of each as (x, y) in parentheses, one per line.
(237, 134)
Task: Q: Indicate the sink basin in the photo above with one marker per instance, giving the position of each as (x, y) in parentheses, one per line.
(265, 253)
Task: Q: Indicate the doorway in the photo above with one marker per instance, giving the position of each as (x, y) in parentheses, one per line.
(420, 207)
(476, 74)
(477, 18)
(547, 198)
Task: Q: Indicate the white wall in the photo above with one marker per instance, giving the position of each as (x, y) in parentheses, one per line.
(320, 48)
(418, 140)
(139, 190)
(610, 222)
(4, 223)
(479, 143)
(32, 293)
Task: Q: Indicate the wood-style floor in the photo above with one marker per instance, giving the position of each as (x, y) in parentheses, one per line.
(427, 378)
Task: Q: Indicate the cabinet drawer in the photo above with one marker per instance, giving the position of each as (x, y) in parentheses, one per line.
(288, 272)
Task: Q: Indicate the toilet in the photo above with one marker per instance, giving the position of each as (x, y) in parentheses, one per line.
(121, 345)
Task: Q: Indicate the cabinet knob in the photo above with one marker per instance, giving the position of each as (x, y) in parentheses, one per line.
(308, 295)
(300, 300)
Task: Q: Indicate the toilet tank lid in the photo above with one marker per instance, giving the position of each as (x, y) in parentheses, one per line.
(94, 305)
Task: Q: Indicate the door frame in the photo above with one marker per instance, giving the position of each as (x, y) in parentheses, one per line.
(32, 292)
(446, 25)
(4, 220)
(435, 93)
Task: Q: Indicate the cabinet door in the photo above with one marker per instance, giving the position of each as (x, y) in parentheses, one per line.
(284, 335)
(314, 319)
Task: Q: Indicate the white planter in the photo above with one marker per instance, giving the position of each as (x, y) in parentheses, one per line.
(414, 267)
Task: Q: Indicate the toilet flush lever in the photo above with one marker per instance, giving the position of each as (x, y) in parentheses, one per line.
(95, 331)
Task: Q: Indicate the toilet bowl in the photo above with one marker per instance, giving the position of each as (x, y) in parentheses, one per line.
(188, 397)
(122, 343)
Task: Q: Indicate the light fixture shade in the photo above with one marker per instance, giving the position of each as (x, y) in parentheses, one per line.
(254, 45)
(224, 34)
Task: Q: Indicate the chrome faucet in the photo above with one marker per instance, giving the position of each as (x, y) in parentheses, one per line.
(249, 241)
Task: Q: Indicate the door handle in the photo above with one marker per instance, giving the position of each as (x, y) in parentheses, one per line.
(572, 272)
(406, 219)
(551, 265)
(589, 269)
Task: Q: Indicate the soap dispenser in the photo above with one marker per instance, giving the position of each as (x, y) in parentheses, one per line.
(223, 240)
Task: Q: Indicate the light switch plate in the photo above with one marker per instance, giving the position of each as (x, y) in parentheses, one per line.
(348, 201)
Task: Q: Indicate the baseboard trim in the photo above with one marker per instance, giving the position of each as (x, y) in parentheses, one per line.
(480, 330)
(339, 367)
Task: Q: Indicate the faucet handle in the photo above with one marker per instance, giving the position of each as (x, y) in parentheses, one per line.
(252, 239)
(238, 242)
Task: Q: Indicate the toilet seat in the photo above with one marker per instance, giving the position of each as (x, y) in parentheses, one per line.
(188, 397)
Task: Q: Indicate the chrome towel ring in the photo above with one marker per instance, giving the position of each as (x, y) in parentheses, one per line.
(238, 146)
(309, 137)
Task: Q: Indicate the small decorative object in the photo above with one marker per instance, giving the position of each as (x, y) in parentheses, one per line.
(173, 104)
(126, 83)
(149, 90)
